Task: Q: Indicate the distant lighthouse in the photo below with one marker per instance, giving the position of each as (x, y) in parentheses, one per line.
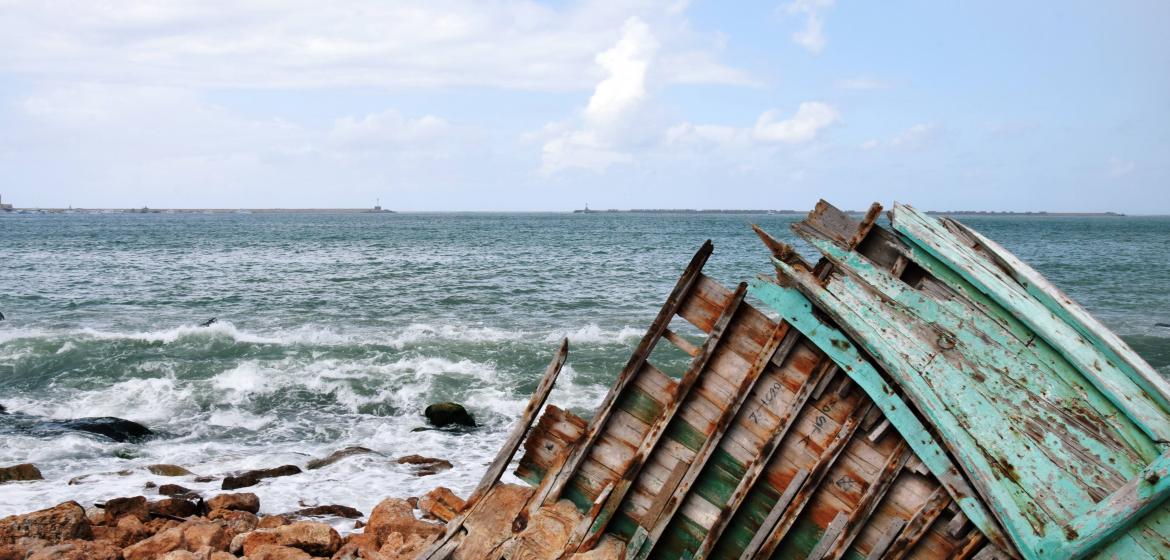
(4, 207)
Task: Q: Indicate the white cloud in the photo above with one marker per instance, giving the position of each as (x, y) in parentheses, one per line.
(810, 118)
(1120, 167)
(812, 35)
(517, 44)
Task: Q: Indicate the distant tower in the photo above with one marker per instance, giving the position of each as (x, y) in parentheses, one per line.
(378, 205)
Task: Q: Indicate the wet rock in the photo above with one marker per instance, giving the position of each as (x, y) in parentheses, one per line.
(156, 546)
(136, 506)
(149, 485)
(318, 539)
(78, 550)
(424, 466)
(174, 490)
(117, 429)
(205, 479)
(175, 507)
(26, 471)
(448, 413)
(440, 503)
(3, 410)
(397, 516)
(252, 478)
(332, 510)
(243, 501)
(57, 524)
(337, 456)
(168, 470)
(277, 552)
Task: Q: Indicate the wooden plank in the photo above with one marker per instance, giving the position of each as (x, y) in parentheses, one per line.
(869, 501)
(598, 524)
(682, 343)
(832, 533)
(796, 309)
(552, 492)
(504, 456)
(771, 520)
(879, 548)
(918, 525)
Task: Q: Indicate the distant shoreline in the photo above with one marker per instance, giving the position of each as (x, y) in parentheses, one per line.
(632, 211)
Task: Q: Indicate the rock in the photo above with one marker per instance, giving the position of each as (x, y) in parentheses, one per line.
(440, 503)
(96, 515)
(57, 524)
(237, 522)
(168, 470)
(205, 479)
(175, 507)
(180, 555)
(156, 546)
(156, 526)
(491, 522)
(404, 547)
(149, 485)
(358, 545)
(318, 539)
(255, 539)
(128, 531)
(174, 490)
(273, 521)
(447, 413)
(136, 506)
(198, 534)
(26, 471)
(220, 555)
(240, 502)
(116, 429)
(78, 550)
(337, 456)
(333, 510)
(252, 478)
(425, 466)
(396, 516)
(277, 552)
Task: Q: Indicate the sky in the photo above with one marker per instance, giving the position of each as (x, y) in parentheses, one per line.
(518, 105)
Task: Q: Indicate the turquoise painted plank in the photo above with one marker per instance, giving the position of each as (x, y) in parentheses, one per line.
(1076, 316)
(1118, 385)
(797, 310)
(1011, 371)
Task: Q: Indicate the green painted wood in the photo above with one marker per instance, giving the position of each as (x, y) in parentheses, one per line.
(797, 310)
(639, 405)
(1118, 385)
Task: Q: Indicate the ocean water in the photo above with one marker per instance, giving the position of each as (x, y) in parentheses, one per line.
(337, 330)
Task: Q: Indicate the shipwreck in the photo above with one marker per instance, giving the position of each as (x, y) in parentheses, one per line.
(917, 392)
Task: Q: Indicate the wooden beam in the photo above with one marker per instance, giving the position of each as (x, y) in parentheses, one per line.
(698, 365)
(682, 343)
(504, 456)
(551, 493)
(770, 520)
(870, 500)
(918, 525)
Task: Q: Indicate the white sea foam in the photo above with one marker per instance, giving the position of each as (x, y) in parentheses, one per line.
(592, 333)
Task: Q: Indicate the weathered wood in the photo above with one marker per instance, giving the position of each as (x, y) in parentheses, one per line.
(698, 365)
(867, 223)
(832, 533)
(869, 501)
(505, 454)
(682, 343)
(918, 525)
(553, 491)
(771, 520)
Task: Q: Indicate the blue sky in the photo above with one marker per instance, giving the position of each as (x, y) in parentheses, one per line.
(470, 105)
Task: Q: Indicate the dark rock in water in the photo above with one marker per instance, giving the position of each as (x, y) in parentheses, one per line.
(173, 490)
(337, 456)
(251, 478)
(136, 506)
(175, 507)
(116, 429)
(332, 510)
(243, 501)
(208, 322)
(448, 413)
(168, 470)
(27, 471)
(425, 466)
(1167, 325)
(3, 410)
(205, 479)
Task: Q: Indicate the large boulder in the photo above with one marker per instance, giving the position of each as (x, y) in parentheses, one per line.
(26, 471)
(168, 470)
(243, 501)
(237, 522)
(331, 510)
(397, 516)
(136, 506)
(57, 524)
(199, 534)
(156, 546)
(277, 552)
(337, 456)
(447, 414)
(117, 429)
(174, 507)
(318, 539)
(252, 478)
(78, 550)
(424, 466)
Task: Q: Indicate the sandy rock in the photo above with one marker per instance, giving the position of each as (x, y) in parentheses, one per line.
(396, 516)
(158, 545)
(254, 540)
(156, 526)
(136, 506)
(168, 470)
(240, 502)
(448, 413)
(181, 555)
(440, 503)
(78, 550)
(404, 547)
(236, 522)
(277, 552)
(252, 478)
(425, 466)
(96, 515)
(198, 534)
(218, 555)
(317, 539)
(337, 456)
(176, 507)
(546, 532)
(63, 522)
(26, 471)
(332, 510)
(273, 521)
(358, 545)
(128, 531)
(491, 523)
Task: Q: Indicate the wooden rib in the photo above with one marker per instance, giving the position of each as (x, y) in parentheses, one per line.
(771, 520)
(682, 288)
(834, 530)
(760, 464)
(895, 527)
(504, 456)
(870, 500)
(866, 224)
(918, 525)
(595, 526)
(657, 526)
(682, 343)
(832, 451)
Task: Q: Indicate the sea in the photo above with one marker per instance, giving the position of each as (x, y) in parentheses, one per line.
(336, 330)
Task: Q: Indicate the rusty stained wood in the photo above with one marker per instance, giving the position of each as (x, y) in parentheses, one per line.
(674, 301)
(440, 549)
(869, 501)
(916, 527)
(593, 527)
